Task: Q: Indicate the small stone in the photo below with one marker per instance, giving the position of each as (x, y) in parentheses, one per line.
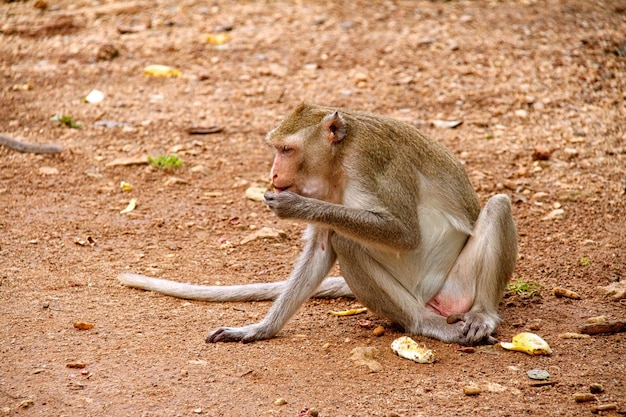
(280, 401)
(596, 388)
(521, 113)
(378, 331)
(554, 215)
(604, 407)
(75, 365)
(615, 291)
(584, 397)
(26, 403)
(366, 356)
(538, 374)
(471, 390)
(48, 171)
(574, 336)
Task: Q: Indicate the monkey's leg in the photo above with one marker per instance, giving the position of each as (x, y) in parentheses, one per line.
(383, 294)
(312, 267)
(482, 271)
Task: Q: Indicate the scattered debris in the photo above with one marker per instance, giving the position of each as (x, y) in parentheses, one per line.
(82, 325)
(111, 124)
(65, 120)
(280, 401)
(560, 292)
(255, 193)
(608, 327)
(556, 214)
(217, 38)
(574, 336)
(584, 397)
(75, 365)
(308, 412)
(466, 349)
(26, 403)
(604, 407)
(85, 242)
(132, 204)
(94, 97)
(264, 233)
(542, 383)
(204, 130)
(596, 388)
(470, 390)
(528, 343)
(616, 290)
(161, 71)
(351, 312)
(378, 331)
(365, 356)
(538, 374)
(447, 124)
(48, 171)
(126, 186)
(132, 160)
(407, 348)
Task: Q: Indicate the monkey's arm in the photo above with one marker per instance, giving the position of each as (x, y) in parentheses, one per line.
(314, 264)
(20, 146)
(372, 226)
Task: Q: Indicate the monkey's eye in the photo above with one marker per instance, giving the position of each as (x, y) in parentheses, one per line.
(285, 150)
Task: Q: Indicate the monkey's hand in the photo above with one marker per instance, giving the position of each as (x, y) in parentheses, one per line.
(246, 334)
(285, 204)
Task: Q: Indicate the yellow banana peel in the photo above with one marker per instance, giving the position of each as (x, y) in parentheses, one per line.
(528, 343)
(351, 312)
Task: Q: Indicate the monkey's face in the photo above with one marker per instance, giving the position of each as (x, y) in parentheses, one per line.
(306, 160)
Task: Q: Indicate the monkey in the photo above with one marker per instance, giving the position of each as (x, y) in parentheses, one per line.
(396, 210)
(18, 145)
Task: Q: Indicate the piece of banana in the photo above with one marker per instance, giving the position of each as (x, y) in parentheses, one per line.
(528, 343)
(407, 348)
(351, 312)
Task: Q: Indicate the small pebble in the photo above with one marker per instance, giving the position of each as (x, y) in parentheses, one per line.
(538, 374)
(471, 390)
(378, 331)
(596, 388)
(280, 401)
(604, 407)
(584, 397)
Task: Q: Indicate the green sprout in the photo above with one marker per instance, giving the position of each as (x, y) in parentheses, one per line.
(584, 262)
(524, 289)
(166, 162)
(66, 120)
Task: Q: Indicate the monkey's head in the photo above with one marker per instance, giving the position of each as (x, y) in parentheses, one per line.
(307, 152)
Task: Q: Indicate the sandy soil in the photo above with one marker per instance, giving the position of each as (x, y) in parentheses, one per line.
(539, 89)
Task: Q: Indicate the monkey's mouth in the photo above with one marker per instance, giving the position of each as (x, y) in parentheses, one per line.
(279, 189)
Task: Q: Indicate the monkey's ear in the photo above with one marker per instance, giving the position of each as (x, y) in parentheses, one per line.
(335, 127)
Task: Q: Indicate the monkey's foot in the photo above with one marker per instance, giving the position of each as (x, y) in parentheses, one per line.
(246, 334)
(477, 328)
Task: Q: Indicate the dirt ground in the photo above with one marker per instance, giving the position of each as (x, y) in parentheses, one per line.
(538, 86)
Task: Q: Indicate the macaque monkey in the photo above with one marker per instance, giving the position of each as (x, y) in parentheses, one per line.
(396, 210)
(18, 145)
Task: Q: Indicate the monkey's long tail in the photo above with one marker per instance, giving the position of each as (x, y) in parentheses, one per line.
(331, 287)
